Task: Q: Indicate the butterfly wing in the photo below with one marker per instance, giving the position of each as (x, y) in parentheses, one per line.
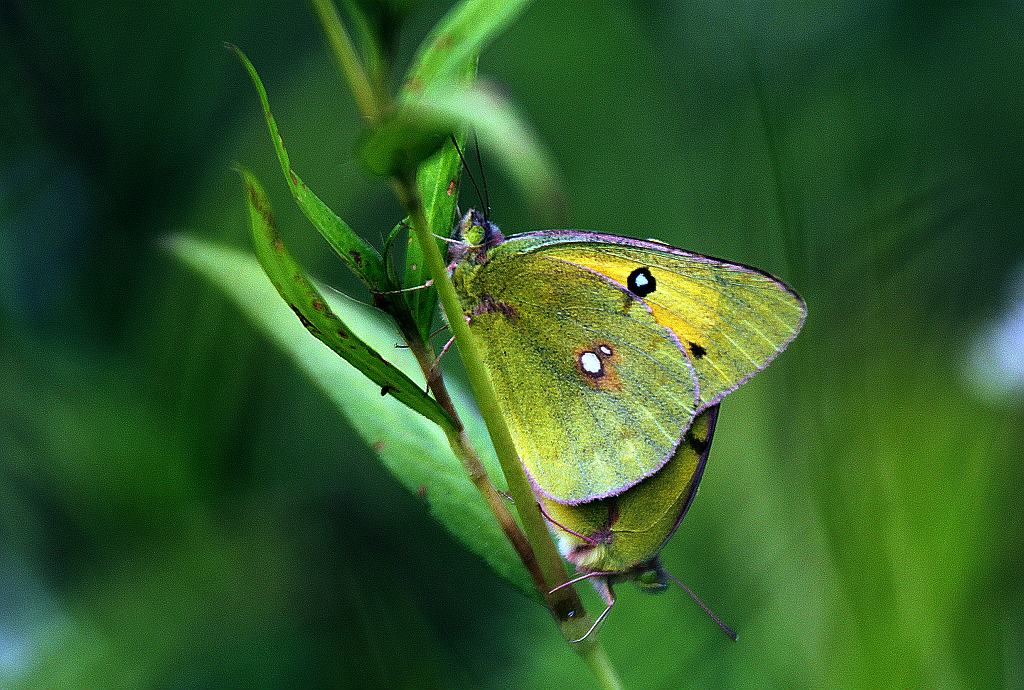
(732, 319)
(596, 393)
(625, 531)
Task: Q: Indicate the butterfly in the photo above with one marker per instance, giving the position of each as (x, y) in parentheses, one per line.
(618, 538)
(602, 350)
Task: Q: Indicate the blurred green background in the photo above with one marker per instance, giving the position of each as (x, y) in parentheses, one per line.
(180, 508)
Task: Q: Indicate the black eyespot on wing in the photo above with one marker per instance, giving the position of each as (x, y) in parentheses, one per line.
(697, 350)
(640, 282)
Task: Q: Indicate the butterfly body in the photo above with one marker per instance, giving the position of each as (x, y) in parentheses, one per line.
(602, 349)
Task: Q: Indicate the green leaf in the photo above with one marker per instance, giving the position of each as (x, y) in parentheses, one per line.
(369, 37)
(414, 450)
(457, 39)
(402, 141)
(438, 179)
(359, 255)
(376, 25)
(452, 109)
(402, 228)
(315, 314)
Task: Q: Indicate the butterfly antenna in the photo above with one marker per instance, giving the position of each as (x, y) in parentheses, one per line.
(697, 600)
(469, 172)
(483, 176)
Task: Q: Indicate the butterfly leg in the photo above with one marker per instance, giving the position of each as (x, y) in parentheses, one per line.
(449, 240)
(609, 596)
(408, 289)
(432, 373)
(560, 526)
(437, 360)
(441, 329)
(579, 578)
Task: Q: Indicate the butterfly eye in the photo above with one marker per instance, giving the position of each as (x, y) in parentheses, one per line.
(640, 282)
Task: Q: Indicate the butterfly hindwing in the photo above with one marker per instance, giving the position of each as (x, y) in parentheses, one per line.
(732, 319)
(596, 393)
(625, 531)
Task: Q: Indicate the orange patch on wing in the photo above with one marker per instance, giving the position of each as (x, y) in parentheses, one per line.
(596, 365)
(684, 330)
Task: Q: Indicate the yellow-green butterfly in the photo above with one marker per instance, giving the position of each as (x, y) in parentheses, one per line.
(602, 349)
(619, 538)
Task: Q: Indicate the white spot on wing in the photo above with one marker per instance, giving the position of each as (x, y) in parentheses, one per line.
(591, 363)
(641, 280)
(605, 350)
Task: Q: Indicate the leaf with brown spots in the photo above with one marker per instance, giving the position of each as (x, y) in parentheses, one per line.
(457, 39)
(408, 445)
(316, 315)
(435, 177)
(360, 256)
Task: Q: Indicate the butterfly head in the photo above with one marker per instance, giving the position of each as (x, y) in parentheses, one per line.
(474, 236)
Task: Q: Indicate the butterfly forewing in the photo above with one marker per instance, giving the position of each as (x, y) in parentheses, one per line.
(596, 392)
(731, 319)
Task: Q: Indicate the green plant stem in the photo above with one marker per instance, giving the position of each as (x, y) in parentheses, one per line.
(467, 455)
(565, 603)
(600, 665)
(539, 555)
(345, 52)
(542, 557)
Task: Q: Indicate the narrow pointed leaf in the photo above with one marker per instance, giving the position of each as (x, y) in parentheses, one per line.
(447, 110)
(313, 311)
(369, 39)
(438, 178)
(413, 449)
(397, 232)
(456, 39)
(359, 255)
